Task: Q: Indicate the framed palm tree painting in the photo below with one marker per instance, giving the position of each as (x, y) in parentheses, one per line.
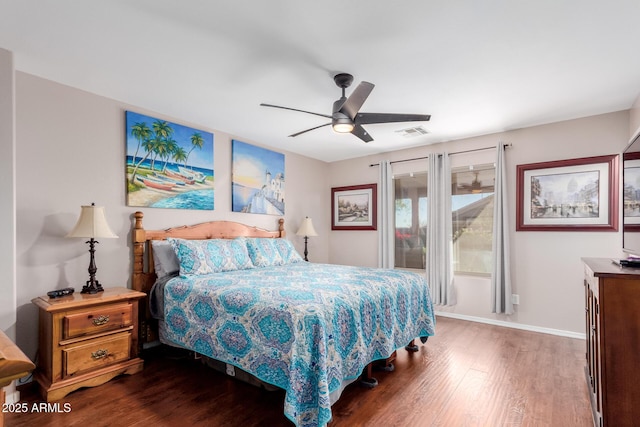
(168, 165)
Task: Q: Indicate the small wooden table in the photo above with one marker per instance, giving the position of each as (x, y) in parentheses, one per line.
(86, 340)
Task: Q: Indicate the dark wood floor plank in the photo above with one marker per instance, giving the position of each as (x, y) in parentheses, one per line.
(469, 374)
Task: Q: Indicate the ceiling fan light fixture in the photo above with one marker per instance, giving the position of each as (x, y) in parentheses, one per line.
(343, 127)
(342, 124)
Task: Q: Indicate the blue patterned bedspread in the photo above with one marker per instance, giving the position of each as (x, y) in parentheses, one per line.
(303, 327)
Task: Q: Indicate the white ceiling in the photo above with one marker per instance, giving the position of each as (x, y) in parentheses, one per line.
(477, 67)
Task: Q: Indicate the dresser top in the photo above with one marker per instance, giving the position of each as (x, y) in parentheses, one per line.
(606, 267)
(78, 299)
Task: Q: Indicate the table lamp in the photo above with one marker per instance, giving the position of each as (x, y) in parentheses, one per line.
(306, 229)
(92, 224)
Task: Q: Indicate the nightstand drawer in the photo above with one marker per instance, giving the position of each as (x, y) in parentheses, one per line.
(96, 354)
(99, 319)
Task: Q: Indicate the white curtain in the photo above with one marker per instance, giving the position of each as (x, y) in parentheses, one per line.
(501, 272)
(387, 211)
(439, 231)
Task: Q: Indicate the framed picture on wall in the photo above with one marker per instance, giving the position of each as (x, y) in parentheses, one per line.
(354, 207)
(568, 195)
(257, 181)
(168, 165)
(631, 191)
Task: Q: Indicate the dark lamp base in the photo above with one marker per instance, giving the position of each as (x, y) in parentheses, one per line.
(92, 288)
(306, 252)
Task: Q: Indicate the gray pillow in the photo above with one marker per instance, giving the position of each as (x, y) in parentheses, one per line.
(164, 258)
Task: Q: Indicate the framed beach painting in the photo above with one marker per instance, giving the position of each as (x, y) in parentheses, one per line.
(354, 207)
(568, 195)
(168, 165)
(258, 179)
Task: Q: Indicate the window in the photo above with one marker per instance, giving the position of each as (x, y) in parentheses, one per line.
(472, 219)
(472, 210)
(410, 220)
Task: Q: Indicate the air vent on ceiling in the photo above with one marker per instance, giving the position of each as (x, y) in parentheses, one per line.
(412, 132)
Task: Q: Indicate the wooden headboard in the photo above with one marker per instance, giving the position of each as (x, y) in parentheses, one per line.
(144, 275)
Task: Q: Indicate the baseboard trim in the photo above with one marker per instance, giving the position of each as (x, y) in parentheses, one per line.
(521, 326)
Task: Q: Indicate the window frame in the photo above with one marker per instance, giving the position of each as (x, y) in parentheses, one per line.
(471, 168)
(474, 167)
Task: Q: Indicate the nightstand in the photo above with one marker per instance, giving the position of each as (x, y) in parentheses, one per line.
(86, 340)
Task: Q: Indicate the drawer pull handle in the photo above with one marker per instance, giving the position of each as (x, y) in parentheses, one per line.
(100, 354)
(101, 320)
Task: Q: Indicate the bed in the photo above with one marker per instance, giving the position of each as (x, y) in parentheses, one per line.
(244, 297)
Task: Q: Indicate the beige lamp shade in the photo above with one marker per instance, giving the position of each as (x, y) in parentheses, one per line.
(92, 223)
(306, 228)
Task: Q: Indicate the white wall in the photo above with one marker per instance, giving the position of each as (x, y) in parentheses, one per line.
(71, 150)
(8, 203)
(634, 118)
(7, 192)
(546, 268)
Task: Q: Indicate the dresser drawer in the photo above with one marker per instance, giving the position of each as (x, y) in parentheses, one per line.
(99, 319)
(96, 354)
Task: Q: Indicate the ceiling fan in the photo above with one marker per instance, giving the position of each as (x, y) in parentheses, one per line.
(475, 186)
(346, 116)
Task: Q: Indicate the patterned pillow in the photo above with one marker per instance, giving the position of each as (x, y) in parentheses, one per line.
(287, 251)
(263, 251)
(199, 257)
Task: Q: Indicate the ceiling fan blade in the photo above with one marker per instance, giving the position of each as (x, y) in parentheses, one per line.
(361, 133)
(307, 130)
(369, 118)
(353, 103)
(295, 109)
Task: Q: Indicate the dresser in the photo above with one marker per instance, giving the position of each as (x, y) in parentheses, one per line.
(612, 308)
(86, 340)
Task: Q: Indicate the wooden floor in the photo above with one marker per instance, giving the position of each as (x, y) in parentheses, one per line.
(469, 374)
